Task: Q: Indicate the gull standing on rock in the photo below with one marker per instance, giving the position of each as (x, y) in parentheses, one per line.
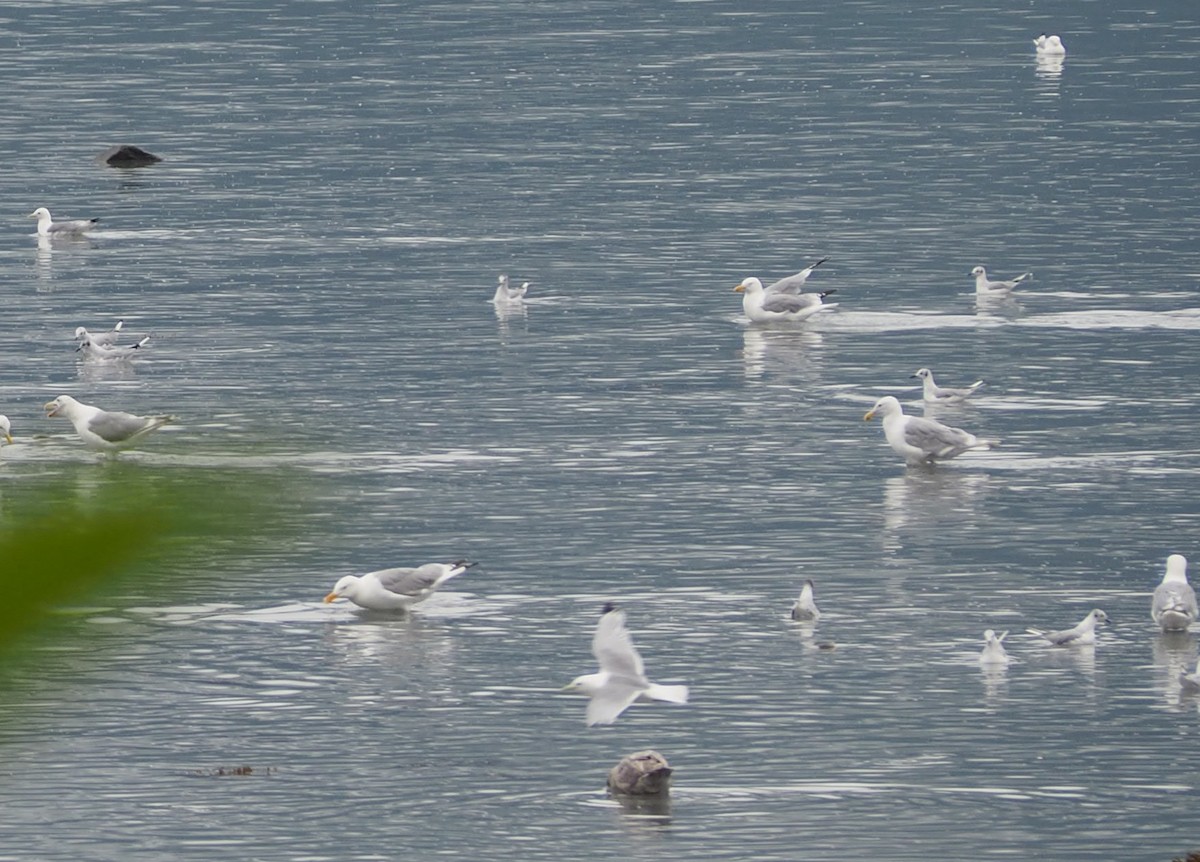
(1082, 634)
(104, 430)
(805, 607)
(47, 227)
(921, 440)
(1174, 603)
(396, 589)
(935, 394)
(621, 679)
(986, 287)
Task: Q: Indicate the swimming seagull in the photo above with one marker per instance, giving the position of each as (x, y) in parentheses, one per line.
(46, 227)
(104, 430)
(396, 589)
(504, 293)
(1174, 603)
(921, 440)
(5, 429)
(805, 608)
(103, 338)
(986, 287)
(1081, 635)
(935, 394)
(993, 654)
(1190, 682)
(621, 680)
(104, 352)
(1050, 45)
(782, 301)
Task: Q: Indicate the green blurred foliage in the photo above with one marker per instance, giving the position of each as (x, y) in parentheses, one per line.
(94, 527)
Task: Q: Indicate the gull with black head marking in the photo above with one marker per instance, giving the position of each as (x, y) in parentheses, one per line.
(104, 430)
(934, 394)
(921, 440)
(621, 680)
(985, 286)
(104, 339)
(397, 589)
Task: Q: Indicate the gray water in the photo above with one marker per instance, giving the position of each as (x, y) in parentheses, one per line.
(314, 258)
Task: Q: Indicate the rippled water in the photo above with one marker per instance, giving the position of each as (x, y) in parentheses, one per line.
(314, 259)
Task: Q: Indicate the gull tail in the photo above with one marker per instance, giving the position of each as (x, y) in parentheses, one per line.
(818, 263)
(826, 293)
(975, 385)
(1024, 277)
(669, 693)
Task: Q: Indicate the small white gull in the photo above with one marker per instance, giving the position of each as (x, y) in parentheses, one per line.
(621, 680)
(934, 394)
(1050, 46)
(993, 654)
(986, 287)
(105, 338)
(107, 352)
(48, 227)
(1080, 635)
(805, 607)
(505, 293)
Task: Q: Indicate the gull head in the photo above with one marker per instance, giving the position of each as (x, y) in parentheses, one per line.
(749, 285)
(5, 429)
(63, 405)
(40, 213)
(1097, 616)
(979, 271)
(922, 373)
(342, 588)
(1176, 567)
(587, 684)
(885, 407)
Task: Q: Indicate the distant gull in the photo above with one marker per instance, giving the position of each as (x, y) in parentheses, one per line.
(784, 300)
(46, 227)
(396, 589)
(104, 338)
(104, 430)
(621, 679)
(805, 608)
(107, 352)
(505, 293)
(993, 654)
(935, 394)
(921, 440)
(1050, 46)
(1080, 635)
(985, 287)
(127, 156)
(1174, 603)
(5, 429)
(1190, 682)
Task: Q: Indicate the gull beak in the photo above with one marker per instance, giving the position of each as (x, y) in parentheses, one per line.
(914, 377)
(741, 288)
(331, 597)
(32, 215)
(51, 408)
(8, 439)
(870, 415)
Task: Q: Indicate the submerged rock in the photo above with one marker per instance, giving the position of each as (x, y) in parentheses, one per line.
(127, 156)
(643, 773)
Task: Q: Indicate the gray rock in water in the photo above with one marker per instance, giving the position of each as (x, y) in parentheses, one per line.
(127, 156)
(643, 773)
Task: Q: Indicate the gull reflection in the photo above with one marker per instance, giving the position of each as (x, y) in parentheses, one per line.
(1049, 67)
(1174, 654)
(931, 502)
(786, 350)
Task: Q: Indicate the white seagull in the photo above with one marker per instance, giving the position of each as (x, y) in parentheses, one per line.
(935, 394)
(1051, 46)
(621, 679)
(921, 440)
(396, 589)
(103, 338)
(1080, 635)
(763, 305)
(104, 430)
(103, 352)
(985, 287)
(805, 608)
(1174, 603)
(504, 293)
(47, 227)
(1190, 682)
(5, 429)
(993, 654)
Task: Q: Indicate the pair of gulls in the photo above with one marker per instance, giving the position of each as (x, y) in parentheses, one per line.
(620, 682)
(1081, 634)
(104, 345)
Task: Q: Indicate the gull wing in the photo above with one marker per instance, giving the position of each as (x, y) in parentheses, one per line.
(613, 648)
(783, 303)
(409, 581)
(934, 437)
(117, 427)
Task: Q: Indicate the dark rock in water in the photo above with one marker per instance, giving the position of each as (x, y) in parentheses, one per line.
(128, 156)
(643, 773)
